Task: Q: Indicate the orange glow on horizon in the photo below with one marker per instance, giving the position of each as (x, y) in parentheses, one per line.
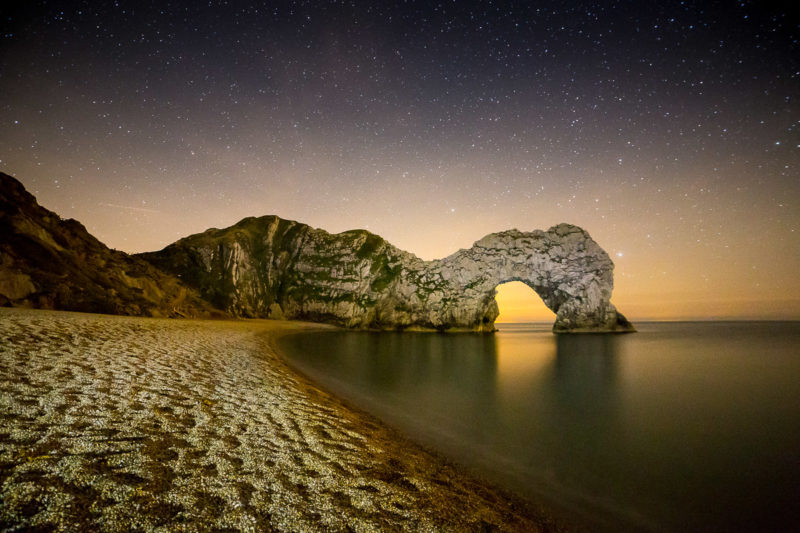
(520, 303)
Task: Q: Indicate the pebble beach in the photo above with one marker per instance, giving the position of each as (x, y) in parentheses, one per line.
(112, 423)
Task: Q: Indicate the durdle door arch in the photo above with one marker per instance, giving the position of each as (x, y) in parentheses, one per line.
(270, 267)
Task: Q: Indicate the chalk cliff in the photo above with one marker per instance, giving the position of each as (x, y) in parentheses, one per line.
(270, 267)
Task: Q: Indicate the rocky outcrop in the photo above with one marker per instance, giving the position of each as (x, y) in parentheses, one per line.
(275, 268)
(270, 267)
(48, 262)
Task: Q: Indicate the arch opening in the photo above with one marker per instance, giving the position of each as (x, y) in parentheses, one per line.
(517, 302)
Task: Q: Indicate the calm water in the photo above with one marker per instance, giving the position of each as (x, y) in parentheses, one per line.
(682, 426)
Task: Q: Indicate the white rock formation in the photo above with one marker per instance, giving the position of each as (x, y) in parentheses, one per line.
(269, 267)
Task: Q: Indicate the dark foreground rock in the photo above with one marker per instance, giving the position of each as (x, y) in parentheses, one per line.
(52, 263)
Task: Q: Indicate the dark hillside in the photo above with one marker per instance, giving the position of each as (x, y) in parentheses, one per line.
(47, 262)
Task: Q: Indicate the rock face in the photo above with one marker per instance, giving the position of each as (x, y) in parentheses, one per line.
(270, 267)
(274, 268)
(52, 263)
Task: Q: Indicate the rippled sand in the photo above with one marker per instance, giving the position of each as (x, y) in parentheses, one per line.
(121, 423)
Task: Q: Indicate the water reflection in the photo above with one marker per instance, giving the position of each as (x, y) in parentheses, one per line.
(584, 376)
(450, 377)
(586, 357)
(396, 361)
(680, 427)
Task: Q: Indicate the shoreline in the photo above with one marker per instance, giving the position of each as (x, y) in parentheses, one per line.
(115, 421)
(556, 517)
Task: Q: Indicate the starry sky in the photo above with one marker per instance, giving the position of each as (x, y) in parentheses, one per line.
(669, 130)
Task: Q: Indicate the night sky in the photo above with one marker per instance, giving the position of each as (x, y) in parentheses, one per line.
(668, 130)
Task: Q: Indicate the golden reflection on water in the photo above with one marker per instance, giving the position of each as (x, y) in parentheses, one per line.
(521, 360)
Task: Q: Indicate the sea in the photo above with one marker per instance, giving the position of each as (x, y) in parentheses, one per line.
(682, 426)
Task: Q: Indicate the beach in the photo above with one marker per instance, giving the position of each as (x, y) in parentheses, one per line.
(120, 423)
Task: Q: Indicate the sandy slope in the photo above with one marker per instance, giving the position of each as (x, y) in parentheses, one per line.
(120, 423)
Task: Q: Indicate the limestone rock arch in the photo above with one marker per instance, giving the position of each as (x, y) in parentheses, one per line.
(275, 268)
(570, 272)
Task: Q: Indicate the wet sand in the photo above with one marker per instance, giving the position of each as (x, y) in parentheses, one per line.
(121, 423)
